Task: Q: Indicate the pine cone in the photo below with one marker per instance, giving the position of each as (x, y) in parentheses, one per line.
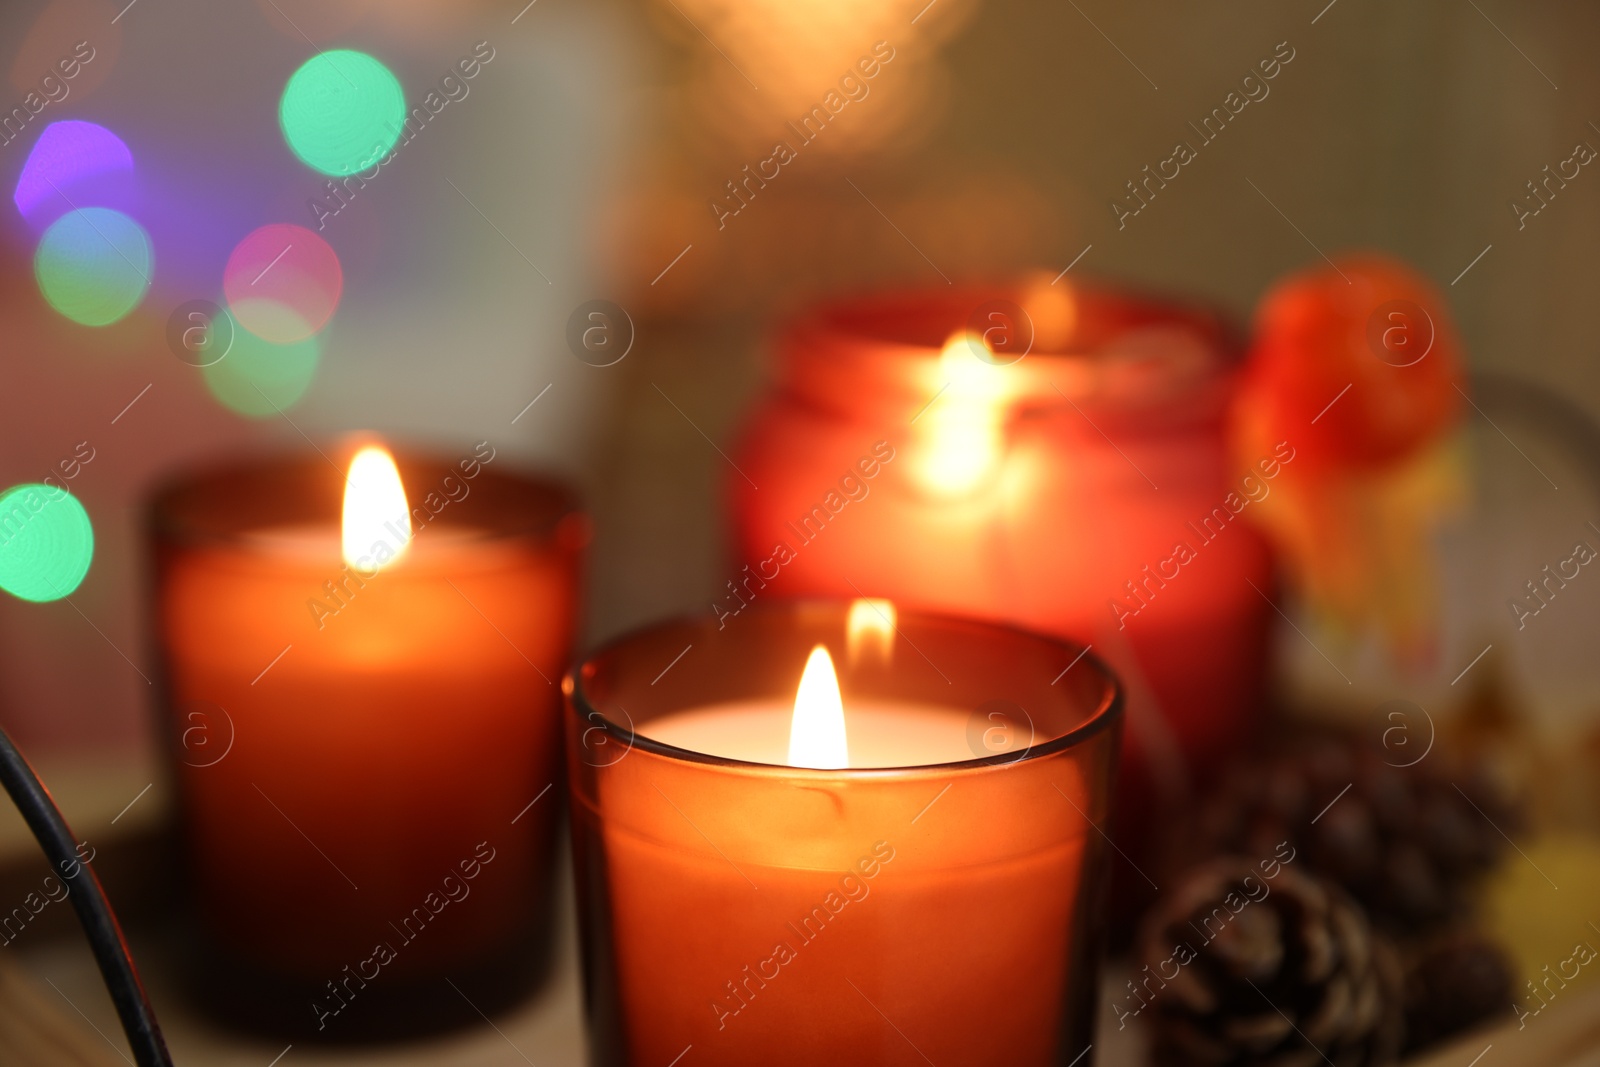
(1407, 842)
(1453, 982)
(1243, 970)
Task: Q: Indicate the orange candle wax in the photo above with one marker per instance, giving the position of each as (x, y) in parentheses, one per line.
(898, 895)
(359, 731)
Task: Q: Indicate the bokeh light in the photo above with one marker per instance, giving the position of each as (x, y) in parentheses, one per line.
(773, 61)
(278, 267)
(257, 378)
(341, 111)
(71, 163)
(94, 265)
(46, 542)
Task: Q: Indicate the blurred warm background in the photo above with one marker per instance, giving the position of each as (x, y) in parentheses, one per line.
(711, 167)
(596, 146)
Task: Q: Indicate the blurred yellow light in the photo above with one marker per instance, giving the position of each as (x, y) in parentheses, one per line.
(1052, 307)
(961, 434)
(871, 627)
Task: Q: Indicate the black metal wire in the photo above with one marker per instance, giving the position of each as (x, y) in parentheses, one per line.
(89, 900)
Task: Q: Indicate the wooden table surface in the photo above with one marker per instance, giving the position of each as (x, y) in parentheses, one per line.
(55, 1011)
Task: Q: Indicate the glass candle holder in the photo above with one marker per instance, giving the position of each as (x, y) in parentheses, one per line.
(1049, 455)
(358, 750)
(947, 909)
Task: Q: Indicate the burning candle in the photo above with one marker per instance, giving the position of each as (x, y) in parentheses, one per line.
(358, 679)
(812, 732)
(1057, 459)
(891, 862)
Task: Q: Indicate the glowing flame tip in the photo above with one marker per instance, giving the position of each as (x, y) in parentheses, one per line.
(816, 734)
(870, 628)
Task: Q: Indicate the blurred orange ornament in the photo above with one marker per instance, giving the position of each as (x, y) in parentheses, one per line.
(1359, 361)
(1358, 366)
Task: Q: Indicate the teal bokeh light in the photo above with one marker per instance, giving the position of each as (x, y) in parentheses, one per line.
(341, 111)
(46, 542)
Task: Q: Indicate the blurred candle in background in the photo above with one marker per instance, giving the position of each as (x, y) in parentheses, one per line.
(1058, 460)
(364, 724)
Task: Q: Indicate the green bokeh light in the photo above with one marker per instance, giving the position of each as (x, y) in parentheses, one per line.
(341, 111)
(257, 378)
(94, 265)
(46, 542)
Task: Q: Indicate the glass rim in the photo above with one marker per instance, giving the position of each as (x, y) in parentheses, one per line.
(1196, 347)
(840, 319)
(164, 522)
(1107, 713)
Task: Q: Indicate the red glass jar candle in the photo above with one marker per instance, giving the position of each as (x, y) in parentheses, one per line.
(1083, 489)
(357, 745)
(922, 900)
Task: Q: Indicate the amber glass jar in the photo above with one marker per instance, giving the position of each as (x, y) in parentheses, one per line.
(937, 898)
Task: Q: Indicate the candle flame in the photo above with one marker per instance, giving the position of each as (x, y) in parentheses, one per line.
(375, 511)
(816, 734)
(1052, 307)
(870, 628)
(962, 431)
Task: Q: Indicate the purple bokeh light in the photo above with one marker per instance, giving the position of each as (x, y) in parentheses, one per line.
(73, 164)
